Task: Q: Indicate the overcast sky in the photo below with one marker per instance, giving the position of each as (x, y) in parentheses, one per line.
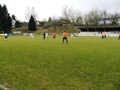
(50, 8)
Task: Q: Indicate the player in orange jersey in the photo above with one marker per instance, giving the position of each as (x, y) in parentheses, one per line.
(103, 36)
(119, 36)
(65, 37)
(54, 35)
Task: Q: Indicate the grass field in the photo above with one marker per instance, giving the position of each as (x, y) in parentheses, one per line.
(86, 63)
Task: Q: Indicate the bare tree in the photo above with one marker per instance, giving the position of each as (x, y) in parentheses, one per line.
(90, 18)
(93, 17)
(76, 17)
(79, 21)
(97, 16)
(70, 14)
(67, 12)
(86, 19)
(104, 15)
(114, 18)
(34, 14)
(29, 12)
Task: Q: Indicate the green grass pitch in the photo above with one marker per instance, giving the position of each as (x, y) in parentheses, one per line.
(86, 63)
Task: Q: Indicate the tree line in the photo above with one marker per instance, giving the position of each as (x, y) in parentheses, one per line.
(93, 17)
(69, 15)
(101, 17)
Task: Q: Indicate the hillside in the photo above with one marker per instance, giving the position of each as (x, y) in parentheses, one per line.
(50, 30)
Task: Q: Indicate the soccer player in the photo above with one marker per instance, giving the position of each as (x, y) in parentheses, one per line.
(119, 36)
(44, 35)
(54, 35)
(64, 37)
(103, 36)
(5, 38)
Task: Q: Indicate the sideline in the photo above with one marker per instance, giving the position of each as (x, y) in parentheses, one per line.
(1, 86)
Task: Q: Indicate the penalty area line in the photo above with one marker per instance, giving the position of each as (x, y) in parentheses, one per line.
(1, 86)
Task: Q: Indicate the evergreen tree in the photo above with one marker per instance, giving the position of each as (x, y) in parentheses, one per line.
(5, 19)
(9, 24)
(0, 17)
(14, 17)
(17, 22)
(49, 20)
(32, 24)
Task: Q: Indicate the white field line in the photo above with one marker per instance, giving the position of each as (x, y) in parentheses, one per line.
(1, 86)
